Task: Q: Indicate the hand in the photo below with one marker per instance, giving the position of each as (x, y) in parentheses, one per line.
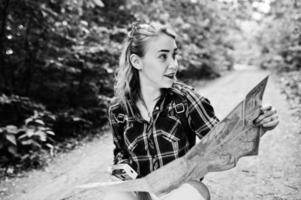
(268, 118)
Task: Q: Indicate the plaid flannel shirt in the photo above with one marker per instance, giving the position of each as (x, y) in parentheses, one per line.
(147, 146)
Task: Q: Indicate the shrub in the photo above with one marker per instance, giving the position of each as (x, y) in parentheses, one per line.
(22, 146)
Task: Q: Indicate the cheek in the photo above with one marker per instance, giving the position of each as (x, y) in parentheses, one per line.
(154, 69)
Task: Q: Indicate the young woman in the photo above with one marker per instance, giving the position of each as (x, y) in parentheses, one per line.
(155, 118)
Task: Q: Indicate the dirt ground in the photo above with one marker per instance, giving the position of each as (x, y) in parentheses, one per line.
(274, 174)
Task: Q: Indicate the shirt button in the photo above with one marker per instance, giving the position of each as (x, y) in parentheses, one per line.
(151, 144)
(156, 165)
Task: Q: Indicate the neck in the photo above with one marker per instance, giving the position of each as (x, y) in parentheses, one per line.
(148, 91)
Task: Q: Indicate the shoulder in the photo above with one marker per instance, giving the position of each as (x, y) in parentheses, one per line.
(116, 112)
(194, 99)
(115, 106)
(180, 86)
(187, 91)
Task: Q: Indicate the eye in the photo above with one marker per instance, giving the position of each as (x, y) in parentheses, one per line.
(163, 57)
(175, 55)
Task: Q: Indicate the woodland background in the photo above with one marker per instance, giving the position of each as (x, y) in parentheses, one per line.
(58, 59)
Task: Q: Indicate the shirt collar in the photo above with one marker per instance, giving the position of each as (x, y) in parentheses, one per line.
(134, 112)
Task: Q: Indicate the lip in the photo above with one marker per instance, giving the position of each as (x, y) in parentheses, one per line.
(170, 75)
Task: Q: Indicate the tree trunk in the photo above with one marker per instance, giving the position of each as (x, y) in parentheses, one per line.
(4, 12)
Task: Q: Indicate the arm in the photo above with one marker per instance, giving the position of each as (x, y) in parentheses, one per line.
(201, 116)
(121, 156)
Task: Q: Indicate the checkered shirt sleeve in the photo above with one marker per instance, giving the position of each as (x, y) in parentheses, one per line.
(201, 116)
(120, 153)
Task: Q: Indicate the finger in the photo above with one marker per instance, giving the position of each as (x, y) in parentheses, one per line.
(271, 120)
(266, 108)
(114, 178)
(268, 120)
(265, 115)
(270, 125)
(270, 113)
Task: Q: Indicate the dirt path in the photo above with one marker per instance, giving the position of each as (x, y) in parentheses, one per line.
(274, 174)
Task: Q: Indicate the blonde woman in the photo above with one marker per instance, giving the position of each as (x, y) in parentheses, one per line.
(154, 118)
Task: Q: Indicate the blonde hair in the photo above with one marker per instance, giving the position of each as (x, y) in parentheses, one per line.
(127, 86)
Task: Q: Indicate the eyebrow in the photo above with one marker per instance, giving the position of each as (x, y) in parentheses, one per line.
(166, 50)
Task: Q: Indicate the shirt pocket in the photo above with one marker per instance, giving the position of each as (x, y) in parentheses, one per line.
(170, 128)
(170, 134)
(167, 136)
(134, 139)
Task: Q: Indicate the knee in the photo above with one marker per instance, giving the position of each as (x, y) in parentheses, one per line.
(201, 188)
(120, 196)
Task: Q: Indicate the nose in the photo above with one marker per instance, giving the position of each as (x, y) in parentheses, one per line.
(173, 65)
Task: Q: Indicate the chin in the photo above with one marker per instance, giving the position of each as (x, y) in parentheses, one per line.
(167, 85)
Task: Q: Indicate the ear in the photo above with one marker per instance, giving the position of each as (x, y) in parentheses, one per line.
(136, 61)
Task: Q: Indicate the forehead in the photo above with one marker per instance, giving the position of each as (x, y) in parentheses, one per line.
(160, 42)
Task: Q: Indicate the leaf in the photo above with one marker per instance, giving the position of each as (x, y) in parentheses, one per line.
(25, 157)
(10, 170)
(38, 121)
(36, 144)
(51, 148)
(50, 132)
(36, 114)
(11, 129)
(76, 119)
(22, 136)
(12, 139)
(28, 120)
(30, 132)
(42, 136)
(99, 3)
(13, 151)
(27, 142)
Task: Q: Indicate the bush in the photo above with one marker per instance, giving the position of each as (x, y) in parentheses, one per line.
(28, 129)
(280, 37)
(202, 30)
(58, 57)
(22, 146)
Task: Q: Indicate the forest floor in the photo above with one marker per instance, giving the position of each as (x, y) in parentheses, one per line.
(274, 174)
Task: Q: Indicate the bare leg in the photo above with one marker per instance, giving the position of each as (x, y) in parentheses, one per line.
(120, 196)
(192, 190)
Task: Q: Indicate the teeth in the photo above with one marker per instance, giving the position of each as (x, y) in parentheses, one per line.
(169, 75)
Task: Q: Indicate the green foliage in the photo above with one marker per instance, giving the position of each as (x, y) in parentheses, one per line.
(63, 55)
(15, 109)
(292, 82)
(27, 129)
(24, 144)
(202, 30)
(281, 37)
(281, 48)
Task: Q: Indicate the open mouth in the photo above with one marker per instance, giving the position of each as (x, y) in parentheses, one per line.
(170, 76)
